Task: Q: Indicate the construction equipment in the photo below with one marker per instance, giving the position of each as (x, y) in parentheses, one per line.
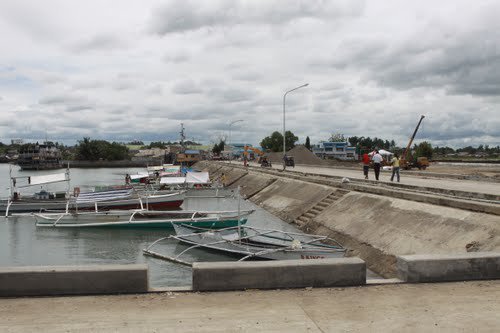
(264, 162)
(420, 162)
(256, 151)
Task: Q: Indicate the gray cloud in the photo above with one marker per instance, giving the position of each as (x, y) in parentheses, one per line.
(99, 43)
(187, 87)
(185, 15)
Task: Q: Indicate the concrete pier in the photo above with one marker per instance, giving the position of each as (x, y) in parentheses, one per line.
(451, 267)
(218, 276)
(73, 280)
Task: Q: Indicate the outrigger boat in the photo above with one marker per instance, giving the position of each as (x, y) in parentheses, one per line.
(142, 219)
(124, 198)
(251, 243)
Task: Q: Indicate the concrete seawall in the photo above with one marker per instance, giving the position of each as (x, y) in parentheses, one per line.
(73, 280)
(375, 226)
(317, 273)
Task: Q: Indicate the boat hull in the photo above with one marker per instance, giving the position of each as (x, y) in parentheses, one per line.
(153, 203)
(216, 242)
(166, 224)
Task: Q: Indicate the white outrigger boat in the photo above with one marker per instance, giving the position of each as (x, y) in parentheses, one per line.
(114, 198)
(251, 243)
(142, 219)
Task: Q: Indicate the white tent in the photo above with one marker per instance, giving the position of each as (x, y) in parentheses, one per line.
(385, 152)
(197, 178)
(381, 152)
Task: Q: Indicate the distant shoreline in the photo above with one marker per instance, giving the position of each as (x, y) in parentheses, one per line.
(112, 164)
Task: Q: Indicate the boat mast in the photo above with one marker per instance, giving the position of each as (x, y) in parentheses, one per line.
(183, 137)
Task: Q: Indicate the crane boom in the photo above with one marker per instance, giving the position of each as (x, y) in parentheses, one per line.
(405, 153)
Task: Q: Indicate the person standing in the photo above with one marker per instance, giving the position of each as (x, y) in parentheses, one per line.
(223, 179)
(377, 162)
(395, 167)
(366, 164)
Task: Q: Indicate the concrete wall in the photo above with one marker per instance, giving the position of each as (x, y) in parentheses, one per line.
(379, 228)
(454, 267)
(288, 199)
(217, 276)
(71, 280)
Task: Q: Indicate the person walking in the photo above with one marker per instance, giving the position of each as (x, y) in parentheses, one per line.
(377, 162)
(223, 179)
(366, 164)
(395, 167)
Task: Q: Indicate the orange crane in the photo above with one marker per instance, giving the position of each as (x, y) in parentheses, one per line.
(422, 162)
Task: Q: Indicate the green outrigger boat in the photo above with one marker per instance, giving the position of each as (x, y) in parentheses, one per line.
(142, 219)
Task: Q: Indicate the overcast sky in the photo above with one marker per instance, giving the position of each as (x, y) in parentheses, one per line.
(125, 70)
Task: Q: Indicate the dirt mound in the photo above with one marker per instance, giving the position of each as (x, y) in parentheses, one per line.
(301, 155)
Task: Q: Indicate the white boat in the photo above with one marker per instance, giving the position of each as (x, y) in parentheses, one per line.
(142, 219)
(116, 198)
(248, 243)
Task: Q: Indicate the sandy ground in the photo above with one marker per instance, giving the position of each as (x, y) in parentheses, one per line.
(444, 307)
(483, 170)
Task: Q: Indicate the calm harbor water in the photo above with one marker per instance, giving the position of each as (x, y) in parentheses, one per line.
(23, 244)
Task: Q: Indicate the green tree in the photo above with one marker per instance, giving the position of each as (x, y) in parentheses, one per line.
(157, 144)
(308, 143)
(218, 148)
(424, 149)
(275, 141)
(337, 137)
(94, 150)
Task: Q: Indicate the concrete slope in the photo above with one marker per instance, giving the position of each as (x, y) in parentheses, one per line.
(252, 183)
(379, 227)
(289, 199)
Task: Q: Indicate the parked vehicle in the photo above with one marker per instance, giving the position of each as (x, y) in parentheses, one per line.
(289, 161)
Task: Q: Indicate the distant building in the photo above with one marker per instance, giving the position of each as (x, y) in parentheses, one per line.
(339, 150)
(16, 141)
(235, 150)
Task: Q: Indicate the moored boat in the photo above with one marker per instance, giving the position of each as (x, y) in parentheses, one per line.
(121, 198)
(142, 219)
(252, 243)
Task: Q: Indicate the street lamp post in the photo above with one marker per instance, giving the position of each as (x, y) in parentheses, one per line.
(284, 139)
(231, 124)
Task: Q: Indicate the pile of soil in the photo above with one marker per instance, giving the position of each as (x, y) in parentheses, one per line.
(301, 155)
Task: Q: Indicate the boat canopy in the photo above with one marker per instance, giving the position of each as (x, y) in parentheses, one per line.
(172, 180)
(139, 176)
(45, 179)
(154, 168)
(104, 195)
(171, 170)
(197, 178)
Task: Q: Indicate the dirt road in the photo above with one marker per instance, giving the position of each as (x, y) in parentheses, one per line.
(408, 178)
(463, 306)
